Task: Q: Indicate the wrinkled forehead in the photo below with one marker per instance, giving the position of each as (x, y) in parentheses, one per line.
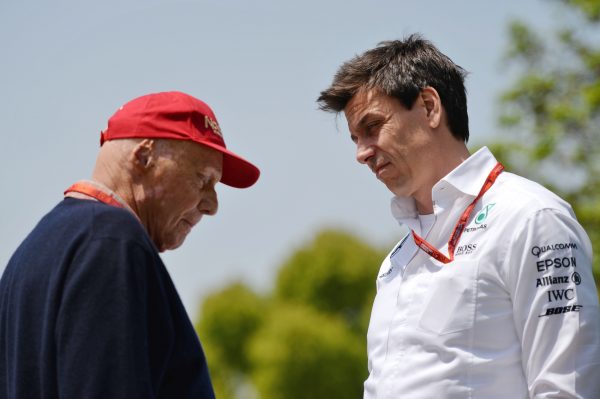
(362, 103)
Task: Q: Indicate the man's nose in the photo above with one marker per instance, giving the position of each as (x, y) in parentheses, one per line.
(363, 153)
(209, 204)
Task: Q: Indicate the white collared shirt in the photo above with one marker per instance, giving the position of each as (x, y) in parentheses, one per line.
(515, 315)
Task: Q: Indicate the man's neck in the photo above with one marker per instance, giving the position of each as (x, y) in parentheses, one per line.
(447, 163)
(425, 206)
(122, 191)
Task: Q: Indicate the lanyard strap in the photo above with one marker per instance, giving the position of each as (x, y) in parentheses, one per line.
(88, 189)
(460, 225)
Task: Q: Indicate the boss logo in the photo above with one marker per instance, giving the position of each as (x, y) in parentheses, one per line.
(465, 249)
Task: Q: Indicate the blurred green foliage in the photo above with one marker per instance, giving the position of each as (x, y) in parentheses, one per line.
(231, 317)
(302, 353)
(306, 339)
(335, 275)
(551, 112)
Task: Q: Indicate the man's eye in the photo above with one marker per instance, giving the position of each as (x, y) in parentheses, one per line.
(200, 181)
(372, 126)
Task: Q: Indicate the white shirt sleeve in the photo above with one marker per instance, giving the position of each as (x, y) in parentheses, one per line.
(555, 305)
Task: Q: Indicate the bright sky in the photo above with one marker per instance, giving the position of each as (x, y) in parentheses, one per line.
(68, 65)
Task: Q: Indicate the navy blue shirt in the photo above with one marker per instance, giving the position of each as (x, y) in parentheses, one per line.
(88, 310)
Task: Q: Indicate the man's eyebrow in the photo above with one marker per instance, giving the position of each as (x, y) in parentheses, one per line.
(361, 124)
(215, 177)
(363, 120)
(366, 118)
(208, 177)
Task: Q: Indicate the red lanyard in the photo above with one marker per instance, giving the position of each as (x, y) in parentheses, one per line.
(94, 192)
(460, 225)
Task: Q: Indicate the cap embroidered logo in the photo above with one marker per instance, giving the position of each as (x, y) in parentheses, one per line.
(213, 125)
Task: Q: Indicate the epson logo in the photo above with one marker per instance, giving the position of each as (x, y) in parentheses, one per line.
(565, 262)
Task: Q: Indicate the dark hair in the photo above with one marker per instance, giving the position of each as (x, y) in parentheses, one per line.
(401, 69)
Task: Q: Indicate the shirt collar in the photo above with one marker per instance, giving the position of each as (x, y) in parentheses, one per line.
(466, 178)
(469, 176)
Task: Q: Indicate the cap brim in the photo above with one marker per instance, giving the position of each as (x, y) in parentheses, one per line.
(237, 172)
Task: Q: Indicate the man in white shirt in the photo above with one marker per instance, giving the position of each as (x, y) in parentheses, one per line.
(490, 294)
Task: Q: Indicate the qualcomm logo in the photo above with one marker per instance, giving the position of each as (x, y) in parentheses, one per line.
(483, 214)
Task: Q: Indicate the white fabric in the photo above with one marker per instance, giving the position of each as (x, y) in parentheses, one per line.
(426, 222)
(487, 325)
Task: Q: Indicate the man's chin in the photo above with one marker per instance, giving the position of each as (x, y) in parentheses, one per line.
(391, 186)
(398, 190)
(169, 246)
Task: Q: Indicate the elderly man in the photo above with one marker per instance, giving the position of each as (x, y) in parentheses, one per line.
(87, 308)
(491, 293)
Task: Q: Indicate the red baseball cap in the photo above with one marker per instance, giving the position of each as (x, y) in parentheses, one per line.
(179, 116)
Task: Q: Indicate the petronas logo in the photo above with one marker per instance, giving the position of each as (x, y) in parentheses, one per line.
(483, 214)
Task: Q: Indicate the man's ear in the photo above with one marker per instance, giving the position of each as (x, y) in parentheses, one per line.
(433, 106)
(142, 155)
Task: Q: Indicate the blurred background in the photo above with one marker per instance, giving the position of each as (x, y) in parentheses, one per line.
(280, 282)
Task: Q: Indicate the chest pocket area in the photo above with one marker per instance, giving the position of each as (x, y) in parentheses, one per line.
(450, 303)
